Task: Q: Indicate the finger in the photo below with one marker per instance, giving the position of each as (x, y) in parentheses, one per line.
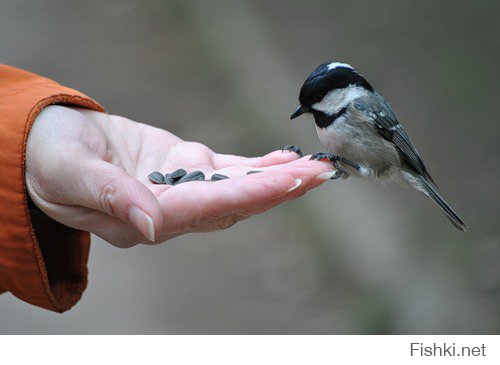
(277, 158)
(312, 176)
(107, 188)
(310, 182)
(307, 166)
(221, 161)
(191, 204)
(225, 222)
(304, 164)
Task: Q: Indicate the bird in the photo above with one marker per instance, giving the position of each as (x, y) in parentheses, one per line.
(361, 133)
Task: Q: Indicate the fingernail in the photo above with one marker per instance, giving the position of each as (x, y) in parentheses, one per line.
(297, 184)
(142, 222)
(325, 175)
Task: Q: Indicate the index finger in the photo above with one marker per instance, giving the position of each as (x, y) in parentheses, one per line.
(221, 161)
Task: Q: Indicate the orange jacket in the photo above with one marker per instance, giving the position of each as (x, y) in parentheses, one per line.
(41, 261)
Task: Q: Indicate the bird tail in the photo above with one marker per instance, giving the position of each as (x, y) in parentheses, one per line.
(430, 190)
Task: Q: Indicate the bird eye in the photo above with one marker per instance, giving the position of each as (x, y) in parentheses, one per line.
(318, 98)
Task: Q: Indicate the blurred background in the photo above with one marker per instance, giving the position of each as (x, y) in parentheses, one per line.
(351, 257)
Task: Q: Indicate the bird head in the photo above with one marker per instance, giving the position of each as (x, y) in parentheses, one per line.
(322, 91)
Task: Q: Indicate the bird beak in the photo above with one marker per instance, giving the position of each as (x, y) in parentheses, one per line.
(300, 110)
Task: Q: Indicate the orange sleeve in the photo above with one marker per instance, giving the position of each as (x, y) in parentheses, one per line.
(41, 261)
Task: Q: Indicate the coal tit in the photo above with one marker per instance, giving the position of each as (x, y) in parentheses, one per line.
(362, 135)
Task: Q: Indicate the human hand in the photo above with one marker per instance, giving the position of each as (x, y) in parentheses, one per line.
(89, 170)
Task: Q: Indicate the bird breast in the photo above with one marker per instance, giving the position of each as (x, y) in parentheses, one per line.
(354, 137)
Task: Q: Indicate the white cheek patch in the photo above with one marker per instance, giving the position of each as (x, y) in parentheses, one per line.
(330, 103)
(333, 65)
(338, 99)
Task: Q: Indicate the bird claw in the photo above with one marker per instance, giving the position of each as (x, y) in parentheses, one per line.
(340, 172)
(322, 156)
(335, 159)
(292, 148)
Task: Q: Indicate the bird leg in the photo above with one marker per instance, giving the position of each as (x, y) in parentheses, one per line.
(335, 159)
(292, 148)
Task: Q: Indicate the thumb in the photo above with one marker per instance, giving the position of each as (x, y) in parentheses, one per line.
(104, 187)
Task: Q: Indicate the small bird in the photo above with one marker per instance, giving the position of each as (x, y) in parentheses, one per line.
(361, 133)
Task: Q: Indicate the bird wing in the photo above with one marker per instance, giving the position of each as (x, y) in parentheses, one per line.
(387, 125)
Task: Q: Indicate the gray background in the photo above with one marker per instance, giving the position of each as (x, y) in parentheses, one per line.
(348, 258)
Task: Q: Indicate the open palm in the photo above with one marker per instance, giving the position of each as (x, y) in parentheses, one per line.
(89, 171)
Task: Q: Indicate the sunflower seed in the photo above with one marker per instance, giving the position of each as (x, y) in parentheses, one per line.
(157, 177)
(176, 175)
(217, 177)
(192, 176)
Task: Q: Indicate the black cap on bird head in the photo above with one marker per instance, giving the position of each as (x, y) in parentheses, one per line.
(328, 76)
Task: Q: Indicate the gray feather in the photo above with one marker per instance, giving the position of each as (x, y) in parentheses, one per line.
(430, 190)
(387, 125)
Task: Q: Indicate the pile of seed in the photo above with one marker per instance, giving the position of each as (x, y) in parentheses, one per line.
(181, 176)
